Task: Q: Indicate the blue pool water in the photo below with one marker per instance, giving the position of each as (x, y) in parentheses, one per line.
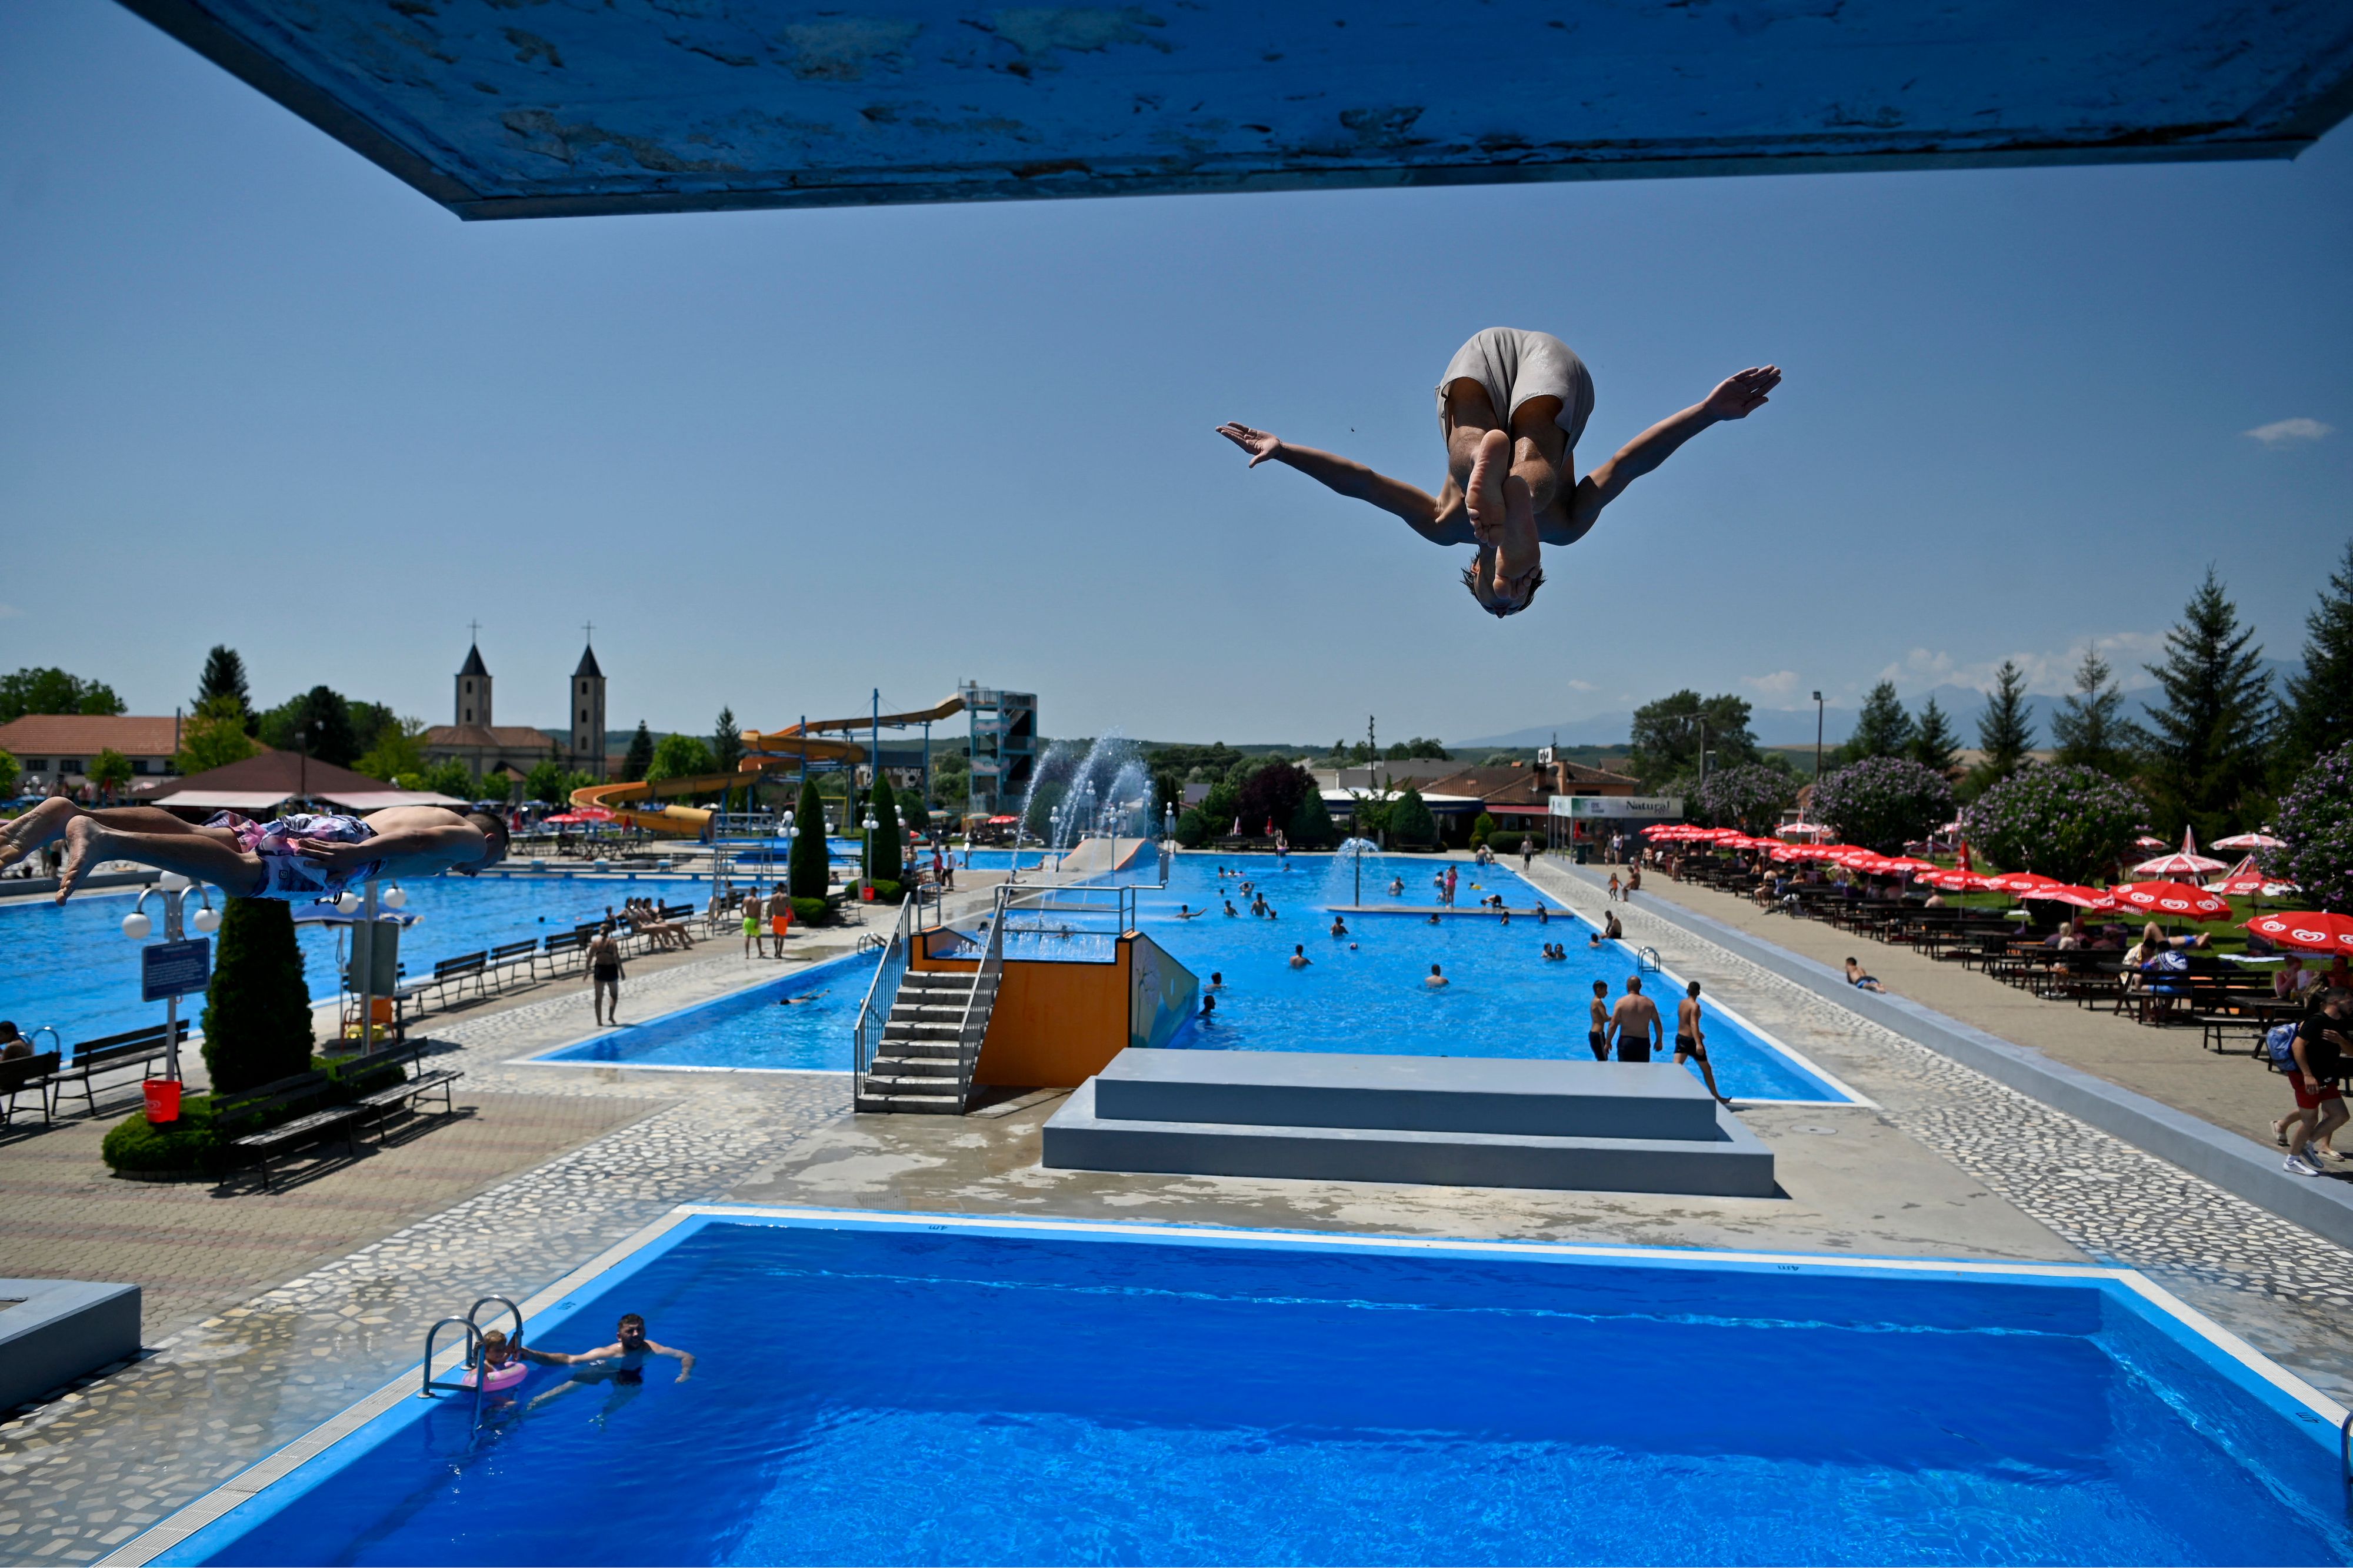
(872, 1393)
(746, 1029)
(73, 969)
(1504, 999)
(1501, 1000)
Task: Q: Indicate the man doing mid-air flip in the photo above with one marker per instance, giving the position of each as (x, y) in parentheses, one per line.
(1511, 407)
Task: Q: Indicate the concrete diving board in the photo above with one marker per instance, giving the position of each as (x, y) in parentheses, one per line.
(1439, 1120)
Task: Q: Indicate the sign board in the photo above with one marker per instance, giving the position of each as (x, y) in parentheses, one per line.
(1632, 806)
(169, 969)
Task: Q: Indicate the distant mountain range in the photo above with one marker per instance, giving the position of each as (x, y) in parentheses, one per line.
(1794, 727)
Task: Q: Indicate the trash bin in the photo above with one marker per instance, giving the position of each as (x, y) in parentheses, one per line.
(162, 1098)
(1583, 850)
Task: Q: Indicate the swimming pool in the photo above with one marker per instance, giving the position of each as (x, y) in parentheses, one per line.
(1504, 1000)
(745, 1031)
(71, 968)
(894, 1388)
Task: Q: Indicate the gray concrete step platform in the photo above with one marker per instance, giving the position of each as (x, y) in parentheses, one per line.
(1443, 1121)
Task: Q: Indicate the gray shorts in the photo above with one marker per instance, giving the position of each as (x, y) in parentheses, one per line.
(1514, 365)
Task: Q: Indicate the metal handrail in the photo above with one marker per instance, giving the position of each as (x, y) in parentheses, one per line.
(473, 1353)
(512, 1311)
(891, 968)
(973, 1027)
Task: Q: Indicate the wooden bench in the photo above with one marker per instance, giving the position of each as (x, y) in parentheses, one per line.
(561, 949)
(417, 1081)
(24, 1073)
(269, 1142)
(134, 1048)
(457, 970)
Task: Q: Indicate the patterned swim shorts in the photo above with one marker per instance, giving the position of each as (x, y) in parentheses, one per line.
(288, 873)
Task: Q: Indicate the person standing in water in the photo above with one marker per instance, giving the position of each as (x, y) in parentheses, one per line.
(1512, 407)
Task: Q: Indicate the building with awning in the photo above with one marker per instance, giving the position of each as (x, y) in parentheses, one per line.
(261, 786)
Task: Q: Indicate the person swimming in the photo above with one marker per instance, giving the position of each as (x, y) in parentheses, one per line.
(621, 1363)
(801, 1000)
(1299, 959)
(1436, 978)
(1187, 912)
(1339, 926)
(1397, 886)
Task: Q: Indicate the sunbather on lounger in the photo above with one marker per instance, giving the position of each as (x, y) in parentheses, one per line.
(300, 858)
(1511, 407)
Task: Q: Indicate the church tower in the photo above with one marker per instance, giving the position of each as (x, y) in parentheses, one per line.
(587, 714)
(473, 704)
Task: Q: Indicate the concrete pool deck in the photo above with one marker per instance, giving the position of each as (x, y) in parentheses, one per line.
(1946, 1162)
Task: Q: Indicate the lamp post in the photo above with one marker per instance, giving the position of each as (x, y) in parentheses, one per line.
(175, 889)
(1818, 742)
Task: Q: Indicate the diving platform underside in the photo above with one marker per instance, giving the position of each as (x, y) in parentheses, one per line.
(1472, 1121)
(527, 109)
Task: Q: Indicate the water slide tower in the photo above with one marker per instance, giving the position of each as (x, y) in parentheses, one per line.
(1004, 744)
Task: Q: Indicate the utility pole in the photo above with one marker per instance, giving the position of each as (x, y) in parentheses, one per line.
(1818, 739)
(1372, 751)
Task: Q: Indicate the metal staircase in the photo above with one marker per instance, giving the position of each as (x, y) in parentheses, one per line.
(920, 1031)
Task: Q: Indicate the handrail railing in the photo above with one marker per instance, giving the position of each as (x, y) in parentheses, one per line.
(891, 968)
(473, 1354)
(973, 1027)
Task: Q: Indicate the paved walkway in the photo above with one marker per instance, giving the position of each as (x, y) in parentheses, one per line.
(1946, 1163)
(2169, 1065)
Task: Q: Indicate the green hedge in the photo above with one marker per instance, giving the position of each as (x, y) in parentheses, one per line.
(885, 890)
(1505, 843)
(811, 912)
(198, 1145)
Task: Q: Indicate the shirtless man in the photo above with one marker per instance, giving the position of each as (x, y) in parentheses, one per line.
(1691, 1043)
(1511, 408)
(300, 858)
(1597, 1034)
(1437, 976)
(621, 1363)
(1634, 1023)
(1299, 959)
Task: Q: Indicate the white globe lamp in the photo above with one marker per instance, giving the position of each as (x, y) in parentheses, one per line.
(393, 897)
(207, 919)
(136, 925)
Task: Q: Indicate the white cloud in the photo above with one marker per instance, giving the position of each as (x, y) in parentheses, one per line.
(2286, 432)
(2048, 672)
(1583, 686)
(1780, 683)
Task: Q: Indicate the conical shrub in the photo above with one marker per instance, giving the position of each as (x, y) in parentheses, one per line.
(257, 1018)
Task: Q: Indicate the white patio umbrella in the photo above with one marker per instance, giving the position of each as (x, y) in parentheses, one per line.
(2183, 862)
(2249, 841)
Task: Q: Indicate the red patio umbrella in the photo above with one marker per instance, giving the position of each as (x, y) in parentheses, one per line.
(1955, 881)
(2069, 893)
(2020, 882)
(2306, 931)
(2171, 900)
(2249, 841)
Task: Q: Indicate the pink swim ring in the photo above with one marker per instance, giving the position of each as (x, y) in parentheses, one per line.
(505, 1376)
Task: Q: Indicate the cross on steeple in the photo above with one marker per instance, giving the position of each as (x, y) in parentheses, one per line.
(589, 628)
(475, 629)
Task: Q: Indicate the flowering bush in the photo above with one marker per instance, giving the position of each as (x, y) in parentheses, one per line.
(2062, 821)
(2317, 819)
(1884, 803)
(1750, 797)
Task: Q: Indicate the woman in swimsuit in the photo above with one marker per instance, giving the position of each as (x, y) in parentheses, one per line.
(605, 977)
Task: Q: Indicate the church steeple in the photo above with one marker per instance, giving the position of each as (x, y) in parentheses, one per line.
(473, 699)
(588, 714)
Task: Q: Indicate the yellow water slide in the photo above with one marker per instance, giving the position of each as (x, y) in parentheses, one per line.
(764, 750)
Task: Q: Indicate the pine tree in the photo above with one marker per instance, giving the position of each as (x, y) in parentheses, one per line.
(1933, 740)
(2207, 758)
(2317, 716)
(1410, 822)
(640, 755)
(224, 677)
(1310, 826)
(257, 1018)
(806, 870)
(2090, 726)
(727, 741)
(2005, 733)
(884, 861)
(1882, 730)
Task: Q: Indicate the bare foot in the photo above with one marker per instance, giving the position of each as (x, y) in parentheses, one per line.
(88, 846)
(1484, 496)
(45, 824)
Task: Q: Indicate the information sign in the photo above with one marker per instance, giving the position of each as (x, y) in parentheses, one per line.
(168, 969)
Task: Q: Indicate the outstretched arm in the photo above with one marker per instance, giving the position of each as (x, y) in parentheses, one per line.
(1736, 397)
(1418, 507)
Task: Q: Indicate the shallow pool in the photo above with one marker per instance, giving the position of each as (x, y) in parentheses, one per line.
(71, 968)
(933, 1389)
(755, 1029)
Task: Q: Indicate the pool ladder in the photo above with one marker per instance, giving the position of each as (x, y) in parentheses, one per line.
(1646, 959)
(473, 1332)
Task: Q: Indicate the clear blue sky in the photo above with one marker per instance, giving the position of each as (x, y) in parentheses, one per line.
(253, 390)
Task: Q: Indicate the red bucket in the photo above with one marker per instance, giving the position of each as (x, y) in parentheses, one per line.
(162, 1098)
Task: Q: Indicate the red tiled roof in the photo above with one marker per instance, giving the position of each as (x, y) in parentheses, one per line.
(86, 734)
(490, 737)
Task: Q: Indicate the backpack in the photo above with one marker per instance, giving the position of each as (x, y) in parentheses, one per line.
(2279, 1044)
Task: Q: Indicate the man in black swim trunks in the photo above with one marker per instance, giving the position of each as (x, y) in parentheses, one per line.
(621, 1363)
(1634, 1023)
(1690, 1041)
(1597, 1036)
